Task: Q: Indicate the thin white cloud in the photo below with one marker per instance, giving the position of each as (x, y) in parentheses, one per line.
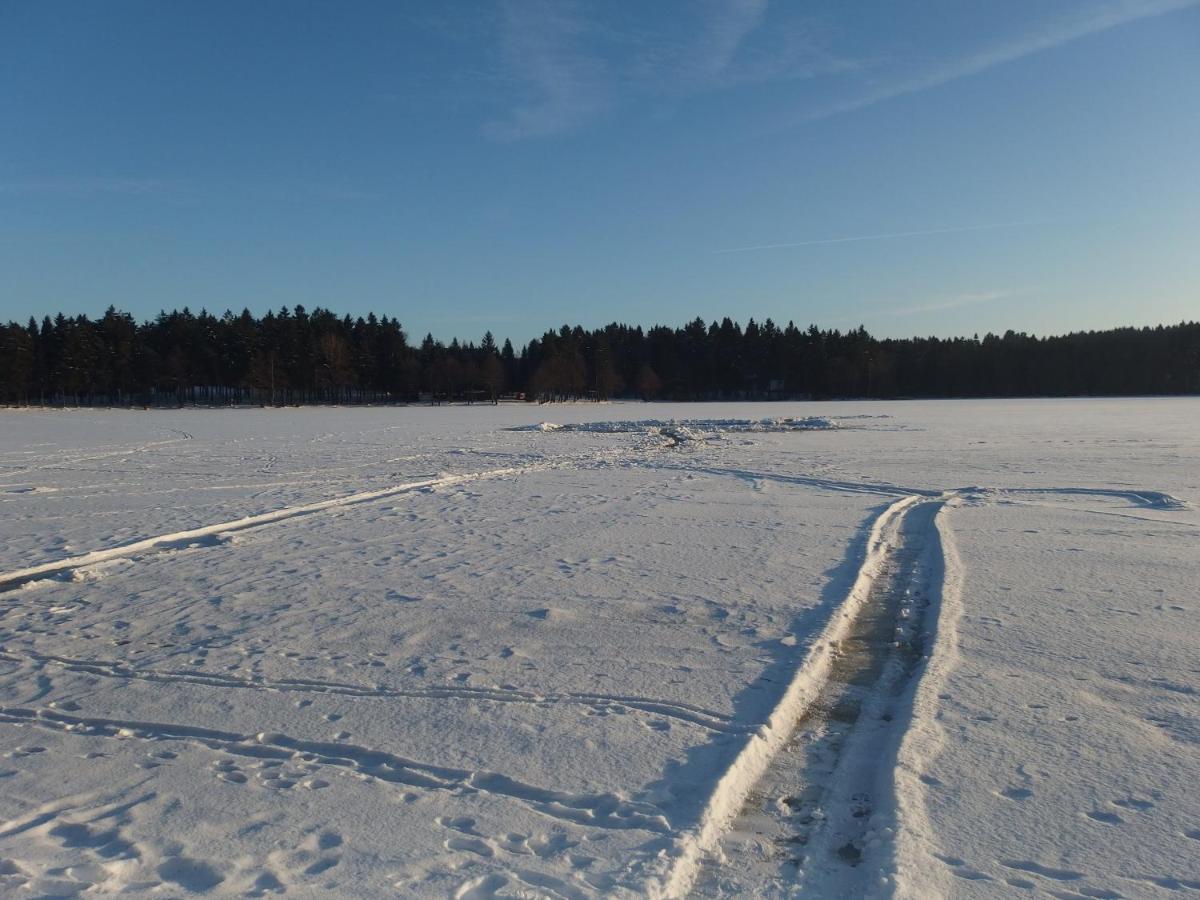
(563, 85)
(726, 26)
(738, 47)
(84, 185)
(1049, 35)
(876, 237)
(563, 66)
(566, 65)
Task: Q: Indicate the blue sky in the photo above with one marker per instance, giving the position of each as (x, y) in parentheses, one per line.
(933, 167)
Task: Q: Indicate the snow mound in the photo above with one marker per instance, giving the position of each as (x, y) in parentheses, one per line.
(691, 429)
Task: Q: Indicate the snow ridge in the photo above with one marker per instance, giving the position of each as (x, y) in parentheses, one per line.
(671, 427)
(735, 785)
(924, 728)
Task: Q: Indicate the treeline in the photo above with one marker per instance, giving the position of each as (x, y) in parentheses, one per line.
(296, 356)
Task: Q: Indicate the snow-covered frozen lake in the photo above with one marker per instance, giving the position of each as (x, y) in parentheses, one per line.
(914, 649)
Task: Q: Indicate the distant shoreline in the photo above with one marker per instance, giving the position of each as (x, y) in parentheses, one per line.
(298, 358)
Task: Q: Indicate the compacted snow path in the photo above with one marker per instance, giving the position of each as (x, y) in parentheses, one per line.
(823, 663)
(821, 813)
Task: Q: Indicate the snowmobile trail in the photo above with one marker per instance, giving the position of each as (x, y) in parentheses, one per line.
(214, 533)
(841, 825)
(819, 816)
(806, 688)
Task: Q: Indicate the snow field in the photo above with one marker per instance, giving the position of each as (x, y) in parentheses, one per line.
(495, 658)
(455, 652)
(1056, 738)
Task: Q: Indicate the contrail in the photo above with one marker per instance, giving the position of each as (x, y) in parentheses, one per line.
(876, 237)
(1052, 35)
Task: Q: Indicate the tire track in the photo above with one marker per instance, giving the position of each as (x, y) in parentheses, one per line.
(812, 481)
(835, 761)
(1146, 499)
(732, 789)
(849, 816)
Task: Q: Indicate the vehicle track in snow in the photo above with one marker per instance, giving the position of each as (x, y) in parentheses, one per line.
(808, 802)
(215, 533)
(823, 806)
(821, 665)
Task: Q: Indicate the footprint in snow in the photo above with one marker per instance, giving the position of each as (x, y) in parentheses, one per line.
(552, 844)
(1134, 803)
(1035, 868)
(470, 845)
(481, 888)
(191, 874)
(266, 883)
(1016, 793)
(515, 842)
(465, 824)
(322, 865)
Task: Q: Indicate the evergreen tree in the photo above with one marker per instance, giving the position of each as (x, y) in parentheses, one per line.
(297, 356)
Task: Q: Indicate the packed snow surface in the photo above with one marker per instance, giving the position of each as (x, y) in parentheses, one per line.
(913, 649)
